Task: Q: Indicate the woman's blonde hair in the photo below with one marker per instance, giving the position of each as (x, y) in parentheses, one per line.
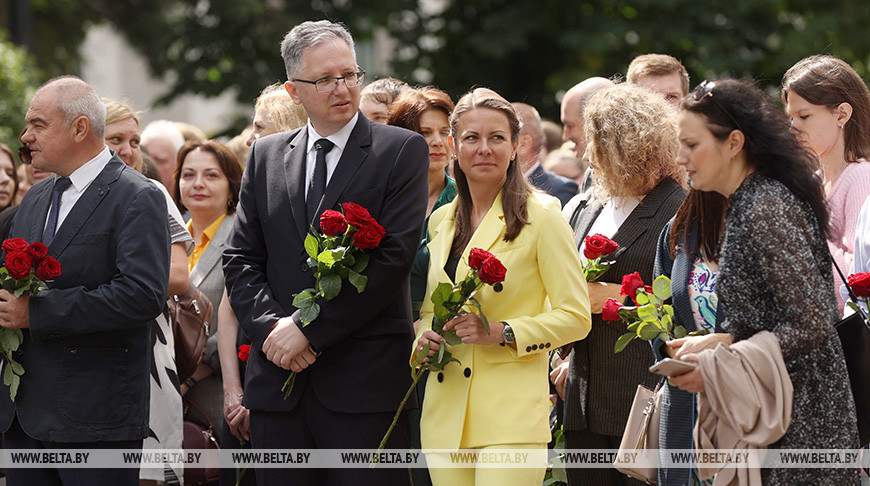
(633, 141)
(119, 111)
(283, 113)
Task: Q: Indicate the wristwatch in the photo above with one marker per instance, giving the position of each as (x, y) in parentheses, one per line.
(507, 333)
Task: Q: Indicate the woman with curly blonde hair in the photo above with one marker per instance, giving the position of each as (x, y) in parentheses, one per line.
(632, 149)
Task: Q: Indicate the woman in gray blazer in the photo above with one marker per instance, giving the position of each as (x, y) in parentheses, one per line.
(207, 181)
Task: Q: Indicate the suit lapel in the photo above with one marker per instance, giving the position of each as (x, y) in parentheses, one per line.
(490, 231)
(294, 171)
(636, 224)
(213, 252)
(85, 205)
(352, 157)
(442, 241)
(586, 219)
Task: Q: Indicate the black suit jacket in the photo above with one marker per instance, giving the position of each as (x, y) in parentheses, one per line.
(87, 353)
(601, 384)
(363, 338)
(562, 188)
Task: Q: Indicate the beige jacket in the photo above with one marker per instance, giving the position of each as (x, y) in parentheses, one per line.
(746, 404)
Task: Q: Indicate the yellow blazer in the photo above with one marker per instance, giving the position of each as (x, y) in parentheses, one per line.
(498, 394)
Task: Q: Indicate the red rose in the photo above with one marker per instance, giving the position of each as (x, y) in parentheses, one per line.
(491, 271)
(356, 215)
(648, 289)
(369, 236)
(332, 222)
(860, 283)
(48, 269)
(478, 256)
(37, 251)
(18, 264)
(630, 284)
(15, 244)
(244, 351)
(611, 310)
(597, 245)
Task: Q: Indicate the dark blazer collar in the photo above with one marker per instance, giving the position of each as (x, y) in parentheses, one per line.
(83, 208)
(354, 154)
(636, 224)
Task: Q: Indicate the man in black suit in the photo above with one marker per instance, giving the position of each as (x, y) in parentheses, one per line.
(87, 346)
(352, 361)
(531, 153)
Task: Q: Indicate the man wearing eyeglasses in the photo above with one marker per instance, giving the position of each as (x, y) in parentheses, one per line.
(352, 360)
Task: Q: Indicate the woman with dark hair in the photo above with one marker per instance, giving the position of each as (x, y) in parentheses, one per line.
(206, 183)
(775, 272)
(427, 112)
(496, 398)
(829, 107)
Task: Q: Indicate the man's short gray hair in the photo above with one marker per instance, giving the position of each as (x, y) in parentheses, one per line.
(163, 130)
(77, 98)
(309, 34)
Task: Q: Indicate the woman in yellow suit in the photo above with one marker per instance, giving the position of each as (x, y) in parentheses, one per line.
(497, 397)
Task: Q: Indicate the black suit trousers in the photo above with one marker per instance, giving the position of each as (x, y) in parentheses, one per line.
(311, 426)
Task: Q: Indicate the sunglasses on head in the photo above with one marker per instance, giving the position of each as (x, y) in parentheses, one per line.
(704, 90)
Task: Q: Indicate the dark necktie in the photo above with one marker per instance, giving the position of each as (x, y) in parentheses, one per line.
(318, 179)
(60, 185)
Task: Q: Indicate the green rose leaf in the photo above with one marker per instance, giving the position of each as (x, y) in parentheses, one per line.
(642, 299)
(361, 263)
(16, 367)
(441, 293)
(662, 287)
(308, 312)
(664, 336)
(668, 323)
(330, 257)
(311, 246)
(623, 341)
(331, 285)
(680, 332)
(647, 313)
(421, 355)
(302, 297)
(7, 375)
(13, 388)
(357, 280)
(451, 338)
(648, 331)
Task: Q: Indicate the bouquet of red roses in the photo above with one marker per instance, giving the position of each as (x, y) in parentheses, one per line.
(598, 247)
(27, 268)
(449, 300)
(650, 317)
(335, 253)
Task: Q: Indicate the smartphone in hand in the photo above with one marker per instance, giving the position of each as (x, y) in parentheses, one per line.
(671, 367)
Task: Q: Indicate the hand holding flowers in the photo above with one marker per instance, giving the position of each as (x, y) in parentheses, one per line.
(451, 324)
(27, 268)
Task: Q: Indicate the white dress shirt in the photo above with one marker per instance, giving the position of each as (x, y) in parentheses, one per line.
(339, 138)
(81, 179)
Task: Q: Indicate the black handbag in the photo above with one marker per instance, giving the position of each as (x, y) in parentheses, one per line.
(854, 332)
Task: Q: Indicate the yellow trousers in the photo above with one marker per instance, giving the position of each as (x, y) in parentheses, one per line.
(492, 467)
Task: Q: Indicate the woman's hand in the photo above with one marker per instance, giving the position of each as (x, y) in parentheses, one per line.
(693, 381)
(599, 292)
(470, 328)
(558, 377)
(433, 340)
(696, 344)
(237, 416)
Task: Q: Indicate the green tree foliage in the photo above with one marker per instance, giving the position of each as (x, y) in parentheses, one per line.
(199, 46)
(17, 82)
(529, 51)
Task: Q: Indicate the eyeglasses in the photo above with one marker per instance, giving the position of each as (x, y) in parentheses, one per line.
(704, 90)
(325, 85)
